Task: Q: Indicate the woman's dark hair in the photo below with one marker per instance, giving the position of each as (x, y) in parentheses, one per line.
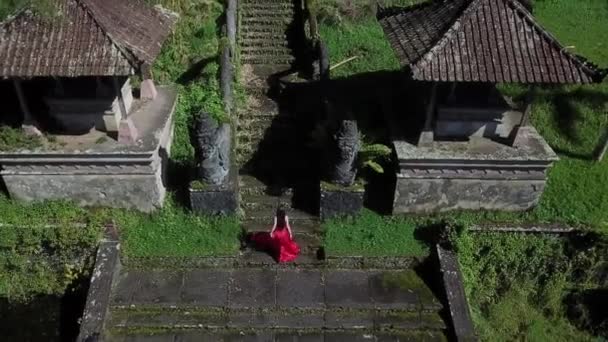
(281, 222)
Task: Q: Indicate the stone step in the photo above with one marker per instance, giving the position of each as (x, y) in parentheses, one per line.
(272, 35)
(295, 335)
(312, 319)
(260, 29)
(268, 60)
(266, 21)
(297, 226)
(269, 51)
(264, 42)
(267, 12)
(263, 212)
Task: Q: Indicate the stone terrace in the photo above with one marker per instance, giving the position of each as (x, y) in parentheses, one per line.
(273, 304)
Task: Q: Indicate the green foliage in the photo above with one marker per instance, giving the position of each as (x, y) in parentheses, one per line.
(45, 8)
(369, 234)
(190, 59)
(44, 247)
(365, 40)
(372, 155)
(516, 283)
(15, 138)
(175, 232)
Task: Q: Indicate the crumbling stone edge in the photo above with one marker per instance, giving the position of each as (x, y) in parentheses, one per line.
(107, 266)
(458, 306)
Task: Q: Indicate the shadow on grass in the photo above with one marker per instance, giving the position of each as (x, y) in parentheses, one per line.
(195, 70)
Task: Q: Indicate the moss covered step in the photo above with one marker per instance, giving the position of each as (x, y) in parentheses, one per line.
(264, 42)
(277, 335)
(274, 319)
(270, 51)
(269, 60)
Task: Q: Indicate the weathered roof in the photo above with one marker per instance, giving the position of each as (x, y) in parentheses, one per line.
(481, 41)
(86, 38)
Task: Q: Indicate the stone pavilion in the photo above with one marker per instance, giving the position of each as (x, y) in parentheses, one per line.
(475, 148)
(71, 72)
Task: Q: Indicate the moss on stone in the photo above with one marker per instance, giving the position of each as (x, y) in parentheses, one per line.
(408, 280)
(358, 186)
(198, 185)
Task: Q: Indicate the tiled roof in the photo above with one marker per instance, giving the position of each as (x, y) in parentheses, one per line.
(481, 41)
(86, 38)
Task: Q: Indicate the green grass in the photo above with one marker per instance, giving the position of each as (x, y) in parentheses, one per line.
(175, 232)
(369, 234)
(364, 40)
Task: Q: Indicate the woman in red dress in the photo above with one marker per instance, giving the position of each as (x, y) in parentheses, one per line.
(279, 241)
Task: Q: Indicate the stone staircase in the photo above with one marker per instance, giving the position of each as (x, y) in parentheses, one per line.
(266, 38)
(260, 202)
(269, 304)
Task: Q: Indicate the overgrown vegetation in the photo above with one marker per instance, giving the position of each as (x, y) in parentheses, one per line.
(14, 138)
(533, 287)
(44, 248)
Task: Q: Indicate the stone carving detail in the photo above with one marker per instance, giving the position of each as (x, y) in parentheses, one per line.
(346, 142)
(212, 146)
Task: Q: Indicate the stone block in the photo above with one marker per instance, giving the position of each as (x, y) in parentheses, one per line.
(207, 199)
(300, 288)
(337, 200)
(208, 287)
(347, 289)
(252, 288)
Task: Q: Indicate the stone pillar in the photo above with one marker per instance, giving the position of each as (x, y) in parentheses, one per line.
(29, 123)
(148, 89)
(427, 136)
(525, 118)
(127, 132)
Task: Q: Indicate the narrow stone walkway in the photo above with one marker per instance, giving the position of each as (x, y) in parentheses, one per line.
(265, 304)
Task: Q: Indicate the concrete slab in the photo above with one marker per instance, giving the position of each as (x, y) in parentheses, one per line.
(158, 287)
(347, 289)
(206, 287)
(300, 288)
(252, 288)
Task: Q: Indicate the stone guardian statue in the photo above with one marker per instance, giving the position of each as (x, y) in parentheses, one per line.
(212, 147)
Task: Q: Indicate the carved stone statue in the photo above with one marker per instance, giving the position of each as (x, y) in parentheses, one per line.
(212, 147)
(346, 142)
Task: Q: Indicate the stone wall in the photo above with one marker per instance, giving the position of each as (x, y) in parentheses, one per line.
(432, 190)
(107, 266)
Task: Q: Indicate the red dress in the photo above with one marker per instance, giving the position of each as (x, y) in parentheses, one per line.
(282, 247)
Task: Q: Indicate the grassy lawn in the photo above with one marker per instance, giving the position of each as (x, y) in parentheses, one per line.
(175, 232)
(370, 234)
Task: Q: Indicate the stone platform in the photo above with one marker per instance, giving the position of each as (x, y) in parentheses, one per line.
(273, 304)
(476, 174)
(95, 170)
